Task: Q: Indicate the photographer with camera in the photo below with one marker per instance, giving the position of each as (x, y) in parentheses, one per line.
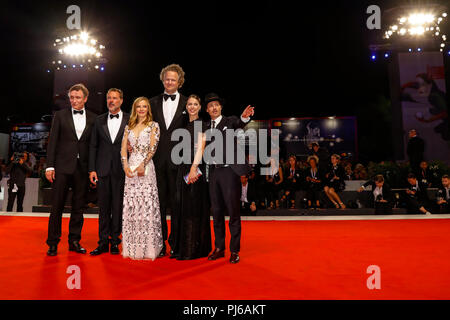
(381, 196)
(416, 196)
(18, 171)
(443, 196)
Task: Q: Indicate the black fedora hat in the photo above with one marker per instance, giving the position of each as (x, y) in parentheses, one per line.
(213, 97)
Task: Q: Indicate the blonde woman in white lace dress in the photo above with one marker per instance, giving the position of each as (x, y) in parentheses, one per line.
(141, 221)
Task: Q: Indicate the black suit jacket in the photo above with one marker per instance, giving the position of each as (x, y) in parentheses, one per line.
(415, 149)
(104, 155)
(180, 120)
(225, 123)
(64, 146)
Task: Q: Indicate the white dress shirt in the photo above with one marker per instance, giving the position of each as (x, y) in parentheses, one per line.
(377, 191)
(114, 125)
(244, 193)
(79, 120)
(169, 108)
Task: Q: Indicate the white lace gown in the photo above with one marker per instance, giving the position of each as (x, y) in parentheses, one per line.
(141, 220)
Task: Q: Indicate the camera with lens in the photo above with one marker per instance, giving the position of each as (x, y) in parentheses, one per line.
(17, 156)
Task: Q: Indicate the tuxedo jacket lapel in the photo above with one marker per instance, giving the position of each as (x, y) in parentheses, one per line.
(105, 126)
(89, 121)
(122, 127)
(69, 118)
(178, 112)
(160, 114)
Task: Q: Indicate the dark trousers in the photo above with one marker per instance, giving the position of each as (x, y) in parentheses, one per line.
(166, 177)
(12, 197)
(413, 205)
(79, 183)
(224, 188)
(110, 202)
(443, 208)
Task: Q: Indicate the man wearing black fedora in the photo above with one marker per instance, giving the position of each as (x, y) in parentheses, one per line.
(224, 176)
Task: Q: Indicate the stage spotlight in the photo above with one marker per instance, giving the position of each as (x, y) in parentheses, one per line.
(386, 55)
(409, 49)
(419, 49)
(102, 68)
(373, 57)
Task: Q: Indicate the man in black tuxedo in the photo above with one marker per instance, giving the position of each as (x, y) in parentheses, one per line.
(105, 168)
(67, 165)
(168, 111)
(224, 178)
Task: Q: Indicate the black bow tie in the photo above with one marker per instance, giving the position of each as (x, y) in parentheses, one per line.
(172, 96)
(114, 116)
(78, 111)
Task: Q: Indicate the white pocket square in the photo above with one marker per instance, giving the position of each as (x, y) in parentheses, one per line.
(224, 128)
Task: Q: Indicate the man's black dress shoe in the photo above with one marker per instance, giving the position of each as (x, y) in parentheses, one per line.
(217, 254)
(234, 258)
(99, 250)
(76, 246)
(114, 249)
(52, 250)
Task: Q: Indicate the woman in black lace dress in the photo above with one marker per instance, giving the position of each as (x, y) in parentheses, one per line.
(192, 198)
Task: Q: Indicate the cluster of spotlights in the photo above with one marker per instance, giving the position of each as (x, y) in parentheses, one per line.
(78, 51)
(418, 25)
(79, 45)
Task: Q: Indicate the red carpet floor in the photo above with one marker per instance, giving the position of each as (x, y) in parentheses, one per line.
(279, 260)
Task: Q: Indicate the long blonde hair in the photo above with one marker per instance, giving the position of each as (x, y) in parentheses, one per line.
(134, 118)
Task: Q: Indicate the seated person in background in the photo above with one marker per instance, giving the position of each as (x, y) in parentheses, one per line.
(443, 195)
(334, 181)
(425, 175)
(360, 172)
(416, 196)
(274, 184)
(381, 196)
(248, 196)
(314, 179)
(349, 172)
(293, 178)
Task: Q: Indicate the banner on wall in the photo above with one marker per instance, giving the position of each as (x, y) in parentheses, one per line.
(336, 134)
(31, 137)
(423, 102)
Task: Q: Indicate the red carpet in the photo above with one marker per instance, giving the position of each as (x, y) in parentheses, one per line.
(279, 260)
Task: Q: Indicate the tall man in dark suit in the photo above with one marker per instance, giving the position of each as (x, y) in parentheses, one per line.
(168, 111)
(415, 149)
(224, 178)
(67, 165)
(105, 167)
